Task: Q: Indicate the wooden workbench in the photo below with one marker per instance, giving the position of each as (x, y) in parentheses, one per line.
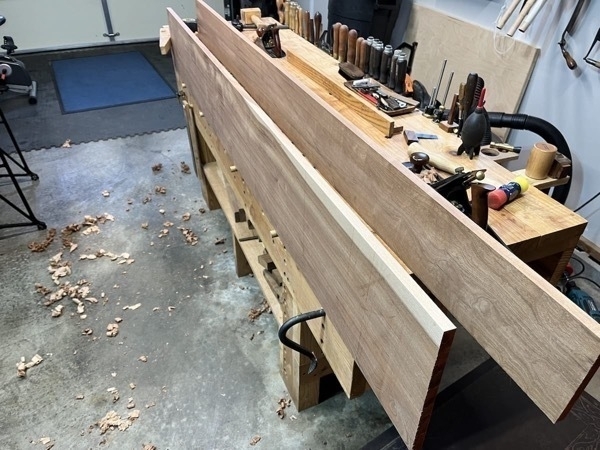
(381, 328)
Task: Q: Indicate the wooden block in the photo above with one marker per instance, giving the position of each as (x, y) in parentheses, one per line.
(309, 216)
(247, 13)
(561, 167)
(479, 266)
(164, 40)
(266, 261)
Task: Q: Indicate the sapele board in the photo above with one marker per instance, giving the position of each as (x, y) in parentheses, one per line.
(398, 336)
(548, 346)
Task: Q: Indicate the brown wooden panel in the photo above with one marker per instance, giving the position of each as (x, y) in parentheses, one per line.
(363, 289)
(540, 338)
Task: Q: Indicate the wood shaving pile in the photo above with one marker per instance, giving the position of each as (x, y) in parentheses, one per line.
(112, 329)
(255, 313)
(23, 367)
(112, 421)
(184, 167)
(186, 216)
(160, 189)
(38, 247)
(164, 232)
(190, 237)
(430, 175)
(255, 440)
(283, 404)
(157, 168)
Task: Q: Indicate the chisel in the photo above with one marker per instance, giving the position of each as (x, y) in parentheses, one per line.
(311, 31)
(300, 20)
(336, 39)
(521, 17)
(318, 22)
(352, 38)
(511, 8)
(343, 43)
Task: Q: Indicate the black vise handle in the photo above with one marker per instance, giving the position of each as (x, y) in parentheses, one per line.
(293, 345)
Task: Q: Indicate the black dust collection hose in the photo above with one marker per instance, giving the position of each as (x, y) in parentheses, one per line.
(546, 131)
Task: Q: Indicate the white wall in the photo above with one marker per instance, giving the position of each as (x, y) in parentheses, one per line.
(568, 99)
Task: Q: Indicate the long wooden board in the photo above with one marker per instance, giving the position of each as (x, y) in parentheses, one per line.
(363, 289)
(547, 345)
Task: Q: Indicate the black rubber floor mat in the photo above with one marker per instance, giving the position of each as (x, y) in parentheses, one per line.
(487, 410)
(44, 126)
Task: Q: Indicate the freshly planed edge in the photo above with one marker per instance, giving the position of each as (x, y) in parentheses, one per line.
(404, 367)
(546, 344)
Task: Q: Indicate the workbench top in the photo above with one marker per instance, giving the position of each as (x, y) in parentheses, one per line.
(534, 226)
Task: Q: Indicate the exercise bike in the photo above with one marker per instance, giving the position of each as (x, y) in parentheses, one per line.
(14, 76)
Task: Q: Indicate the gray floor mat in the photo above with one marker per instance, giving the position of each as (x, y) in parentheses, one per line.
(44, 126)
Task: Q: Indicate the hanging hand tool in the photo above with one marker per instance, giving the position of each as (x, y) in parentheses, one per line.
(515, 26)
(509, 11)
(364, 62)
(587, 58)
(300, 21)
(357, 55)
(569, 29)
(318, 21)
(281, 10)
(473, 130)
(343, 43)
(305, 25)
(532, 15)
(311, 31)
(336, 39)
(286, 13)
(282, 334)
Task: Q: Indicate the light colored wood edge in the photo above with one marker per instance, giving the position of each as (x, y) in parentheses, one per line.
(406, 403)
(342, 362)
(379, 120)
(546, 183)
(164, 41)
(480, 294)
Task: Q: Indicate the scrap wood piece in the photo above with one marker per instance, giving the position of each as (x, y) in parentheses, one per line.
(185, 168)
(157, 167)
(255, 440)
(112, 329)
(150, 447)
(38, 247)
(255, 313)
(191, 238)
(113, 421)
(23, 367)
(566, 361)
(160, 189)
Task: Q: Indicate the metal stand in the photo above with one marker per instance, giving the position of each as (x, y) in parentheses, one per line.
(22, 164)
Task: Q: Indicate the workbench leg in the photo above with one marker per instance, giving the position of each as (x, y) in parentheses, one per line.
(202, 155)
(242, 266)
(304, 389)
(552, 267)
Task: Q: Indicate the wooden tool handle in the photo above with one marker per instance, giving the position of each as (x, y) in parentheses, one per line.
(311, 31)
(256, 20)
(286, 13)
(358, 46)
(479, 203)
(352, 38)
(511, 8)
(318, 22)
(363, 56)
(522, 14)
(336, 39)
(281, 10)
(305, 24)
(438, 161)
(343, 43)
(540, 160)
(299, 20)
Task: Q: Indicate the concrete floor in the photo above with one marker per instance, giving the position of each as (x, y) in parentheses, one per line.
(211, 379)
(214, 387)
